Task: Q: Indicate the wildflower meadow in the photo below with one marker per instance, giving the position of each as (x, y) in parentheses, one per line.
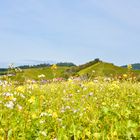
(70, 110)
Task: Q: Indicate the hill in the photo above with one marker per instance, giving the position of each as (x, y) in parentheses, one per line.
(33, 73)
(37, 66)
(72, 71)
(91, 69)
(104, 69)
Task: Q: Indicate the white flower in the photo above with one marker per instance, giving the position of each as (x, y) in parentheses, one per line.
(9, 104)
(93, 71)
(1, 83)
(70, 95)
(22, 96)
(60, 120)
(7, 94)
(78, 91)
(42, 121)
(85, 88)
(41, 76)
(11, 66)
(43, 133)
(14, 99)
(67, 107)
(75, 111)
(5, 82)
(95, 81)
(62, 111)
(64, 91)
(19, 107)
(43, 114)
(90, 94)
(72, 102)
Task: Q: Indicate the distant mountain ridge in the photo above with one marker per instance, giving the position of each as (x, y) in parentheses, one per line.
(5, 64)
(4, 71)
(135, 66)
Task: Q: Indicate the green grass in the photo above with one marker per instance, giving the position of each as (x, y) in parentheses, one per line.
(33, 73)
(105, 69)
(100, 68)
(70, 111)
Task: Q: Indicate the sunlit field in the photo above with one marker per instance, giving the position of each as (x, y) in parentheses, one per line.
(69, 69)
(70, 110)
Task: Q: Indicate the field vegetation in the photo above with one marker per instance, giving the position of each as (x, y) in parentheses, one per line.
(97, 108)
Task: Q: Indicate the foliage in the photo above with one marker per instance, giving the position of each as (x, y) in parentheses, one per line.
(70, 110)
(66, 64)
(34, 66)
(3, 71)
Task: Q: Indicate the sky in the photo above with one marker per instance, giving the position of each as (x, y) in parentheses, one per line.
(76, 31)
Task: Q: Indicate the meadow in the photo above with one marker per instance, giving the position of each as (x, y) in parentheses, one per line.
(70, 110)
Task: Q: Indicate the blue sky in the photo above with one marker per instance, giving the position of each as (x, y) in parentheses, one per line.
(69, 30)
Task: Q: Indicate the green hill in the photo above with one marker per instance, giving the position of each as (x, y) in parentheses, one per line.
(33, 73)
(104, 69)
(91, 69)
(72, 71)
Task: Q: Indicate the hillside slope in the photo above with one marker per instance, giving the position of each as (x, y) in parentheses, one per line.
(33, 73)
(90, 69)
(104, 69)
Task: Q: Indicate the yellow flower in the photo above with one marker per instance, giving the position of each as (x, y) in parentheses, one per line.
(34, 116)
(35, 86)
(21, 89)
(70, 80)
(129, 67)
(97, 135)
(87, 132)
(41, 76)
(42, 97)
(1, 130)
(88, 108)
(125, 75)
(54, 67)
(29, 81)
(9, 98)
(114, 86)
(50, 111)
(54, 115)
(32, 99)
